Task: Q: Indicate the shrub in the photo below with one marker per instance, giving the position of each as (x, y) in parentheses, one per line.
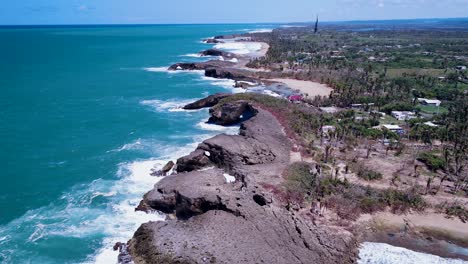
(369, 175)
(432, 161)
(365, 173)
(402, 201)
(454, 210)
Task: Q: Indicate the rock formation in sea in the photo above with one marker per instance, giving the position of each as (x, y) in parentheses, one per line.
(214, 220)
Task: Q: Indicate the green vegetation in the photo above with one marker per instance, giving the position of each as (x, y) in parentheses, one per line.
(371, 73)
(369, 175)
(306, 184)
(384, 71)
(432, 161)
(454, 209)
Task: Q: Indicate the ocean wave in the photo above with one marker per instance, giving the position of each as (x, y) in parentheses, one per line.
(261, 30)
(229, 130)
(239, 47)
(225, 83)
(156, 69)
(165, 69)
(193, 55)
(173, 105)
(379, 253)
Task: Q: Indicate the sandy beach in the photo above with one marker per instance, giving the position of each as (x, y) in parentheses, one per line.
(262, 52)
(309, 88)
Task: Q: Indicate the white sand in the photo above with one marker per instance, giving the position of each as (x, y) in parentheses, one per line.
(428, 220)
(309, 88)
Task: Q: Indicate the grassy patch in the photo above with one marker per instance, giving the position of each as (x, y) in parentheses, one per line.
(349, 201)
(430, 109)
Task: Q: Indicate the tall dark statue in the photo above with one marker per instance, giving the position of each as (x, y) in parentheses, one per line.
(316, 25)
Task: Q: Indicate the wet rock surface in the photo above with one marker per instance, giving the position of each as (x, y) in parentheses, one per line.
(193, 66)
(217, 52)
(209, 101)
(231, 113)
(240, 222)
(212, 41)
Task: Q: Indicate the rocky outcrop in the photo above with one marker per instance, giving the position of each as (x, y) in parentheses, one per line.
(226, 73)
(231, 113)
(164, 170)
(196, 160)
(209, 101)
(192, 66)
(212, 41)
(217, 52)
(216, 221)
(244, 85)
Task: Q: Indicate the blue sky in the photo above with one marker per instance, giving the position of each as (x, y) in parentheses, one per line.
(220, 11)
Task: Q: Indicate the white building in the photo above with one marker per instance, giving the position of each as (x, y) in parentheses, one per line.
(429, 123)
(433, 102)
(394, 128)
(403, 115)
(461, 68)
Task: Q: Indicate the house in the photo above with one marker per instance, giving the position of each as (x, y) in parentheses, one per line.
(394, 128)
(461, 68)
(403, 115)
(429, 123)
(432, 102)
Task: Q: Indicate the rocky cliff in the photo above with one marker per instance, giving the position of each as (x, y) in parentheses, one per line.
(220, 213)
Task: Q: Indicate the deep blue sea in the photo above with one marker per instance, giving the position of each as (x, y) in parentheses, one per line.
(85, 114)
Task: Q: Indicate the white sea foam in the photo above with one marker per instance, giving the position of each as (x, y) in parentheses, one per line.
(156, 69)
(229, 130)
(136, 180)
(261, 30)
(137, 144)
(225, 83)
(193, 55)
(165, 69)
(379, 253)
(172, 105)
(239, 47)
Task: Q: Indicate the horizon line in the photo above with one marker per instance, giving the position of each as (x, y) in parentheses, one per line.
(228, 23)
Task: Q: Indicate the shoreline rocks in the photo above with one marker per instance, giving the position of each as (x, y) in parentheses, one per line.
(217, 52)
(231, 113)
(193, 66)
(209, 101)
(216, 221)
(164, 170)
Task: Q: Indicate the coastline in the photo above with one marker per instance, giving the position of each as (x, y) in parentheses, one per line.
(308, 88)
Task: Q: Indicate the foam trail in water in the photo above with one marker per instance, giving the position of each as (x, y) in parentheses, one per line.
(173, 105)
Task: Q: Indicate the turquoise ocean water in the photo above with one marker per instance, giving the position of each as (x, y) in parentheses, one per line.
(85, 113)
